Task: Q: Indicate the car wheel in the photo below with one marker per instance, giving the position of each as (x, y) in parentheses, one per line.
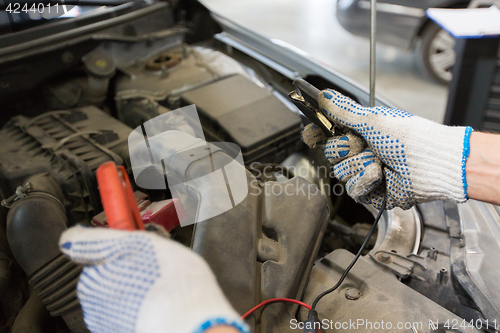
(438, 54)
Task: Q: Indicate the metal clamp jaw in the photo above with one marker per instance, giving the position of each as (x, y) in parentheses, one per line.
(305, 97)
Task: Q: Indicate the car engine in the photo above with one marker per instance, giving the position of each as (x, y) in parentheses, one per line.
(430, 268)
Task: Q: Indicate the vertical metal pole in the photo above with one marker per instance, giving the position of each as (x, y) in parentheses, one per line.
(373, 33)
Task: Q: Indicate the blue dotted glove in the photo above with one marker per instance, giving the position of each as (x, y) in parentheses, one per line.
(413, 159)
(141, 282)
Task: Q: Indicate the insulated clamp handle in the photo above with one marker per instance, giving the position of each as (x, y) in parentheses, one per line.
(118, 198)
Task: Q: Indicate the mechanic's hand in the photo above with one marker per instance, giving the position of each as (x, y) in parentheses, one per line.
(141, 282)
(413, 159)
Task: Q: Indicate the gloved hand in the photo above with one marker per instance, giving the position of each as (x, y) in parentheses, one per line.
(413, 159)
(141, 282)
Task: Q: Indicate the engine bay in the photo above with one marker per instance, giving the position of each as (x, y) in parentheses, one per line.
(424, 270)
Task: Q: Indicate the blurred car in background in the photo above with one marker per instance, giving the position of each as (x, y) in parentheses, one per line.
(403, 23)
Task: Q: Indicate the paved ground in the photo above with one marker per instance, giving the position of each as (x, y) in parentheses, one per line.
(311, 26)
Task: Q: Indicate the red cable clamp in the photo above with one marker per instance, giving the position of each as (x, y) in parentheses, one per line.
(118, 198)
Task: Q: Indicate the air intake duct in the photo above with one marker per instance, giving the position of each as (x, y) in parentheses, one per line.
(34, 225)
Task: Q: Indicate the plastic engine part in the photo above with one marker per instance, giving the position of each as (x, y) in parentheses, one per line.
(248, 115)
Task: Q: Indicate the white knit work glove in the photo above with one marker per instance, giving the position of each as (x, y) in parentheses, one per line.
(142, 282)
(413, 159)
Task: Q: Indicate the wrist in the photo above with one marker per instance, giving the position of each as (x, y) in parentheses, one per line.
(437, 159)
(483, 168)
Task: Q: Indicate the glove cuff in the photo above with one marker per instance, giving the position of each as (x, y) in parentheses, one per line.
(236, 323)
(465, 155)
(440, 170)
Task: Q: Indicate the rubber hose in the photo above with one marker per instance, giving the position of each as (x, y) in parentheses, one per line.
(12, 301)
(5, 260)
(34, 226)
(33, 317)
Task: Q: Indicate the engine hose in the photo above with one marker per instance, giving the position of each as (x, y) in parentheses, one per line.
(56, 286)
(33, 317)
(34, 225)
(11, 301)
(5, 261)
(4, 273)
(11, 297)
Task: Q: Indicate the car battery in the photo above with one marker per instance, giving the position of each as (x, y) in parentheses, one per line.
(235, 109)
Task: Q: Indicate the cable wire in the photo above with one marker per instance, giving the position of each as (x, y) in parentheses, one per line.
(274, 300)
(312, 311)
